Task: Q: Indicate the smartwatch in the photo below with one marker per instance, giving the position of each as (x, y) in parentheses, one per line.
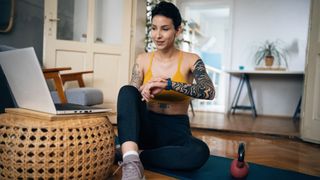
(169, 84)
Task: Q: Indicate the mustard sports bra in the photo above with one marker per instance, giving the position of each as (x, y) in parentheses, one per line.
(168, 95)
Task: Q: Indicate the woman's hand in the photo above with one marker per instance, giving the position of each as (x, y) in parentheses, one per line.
(153, 87)
(145, 92)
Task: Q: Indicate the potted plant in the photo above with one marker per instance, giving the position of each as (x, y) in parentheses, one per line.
(270, 52)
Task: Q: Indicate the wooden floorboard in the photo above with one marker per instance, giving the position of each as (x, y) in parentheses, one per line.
(282, 126)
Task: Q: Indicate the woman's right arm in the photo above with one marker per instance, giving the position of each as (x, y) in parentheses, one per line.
(137, 73)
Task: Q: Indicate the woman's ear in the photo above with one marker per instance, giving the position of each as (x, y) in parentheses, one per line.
(179, 31)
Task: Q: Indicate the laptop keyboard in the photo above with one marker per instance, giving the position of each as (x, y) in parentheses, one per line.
(69, 106)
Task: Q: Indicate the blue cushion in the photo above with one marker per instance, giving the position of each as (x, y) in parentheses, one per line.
(84, 96)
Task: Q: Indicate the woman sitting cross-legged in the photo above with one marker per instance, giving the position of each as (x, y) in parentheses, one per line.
(153, 123)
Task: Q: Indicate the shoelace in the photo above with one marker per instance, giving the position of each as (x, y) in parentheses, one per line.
(121, 164)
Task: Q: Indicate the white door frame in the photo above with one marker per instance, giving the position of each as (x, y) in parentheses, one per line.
(310, 111)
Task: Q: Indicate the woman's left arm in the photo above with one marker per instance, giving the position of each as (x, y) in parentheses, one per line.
(202, 89)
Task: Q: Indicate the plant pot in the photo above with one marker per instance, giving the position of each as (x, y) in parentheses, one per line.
(269, 61)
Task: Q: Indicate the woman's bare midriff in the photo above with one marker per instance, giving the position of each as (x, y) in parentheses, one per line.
(170, 108)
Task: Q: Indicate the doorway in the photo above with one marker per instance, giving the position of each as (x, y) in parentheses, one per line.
(208, 31)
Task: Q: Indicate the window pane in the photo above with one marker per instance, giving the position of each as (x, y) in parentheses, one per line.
(108, 21)
(72, 20)
(208, 30)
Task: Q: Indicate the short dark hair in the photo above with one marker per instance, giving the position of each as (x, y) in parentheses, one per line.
(168, 10)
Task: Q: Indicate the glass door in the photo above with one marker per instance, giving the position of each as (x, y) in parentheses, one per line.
(209, 31)
(90, 35)
(72, 20)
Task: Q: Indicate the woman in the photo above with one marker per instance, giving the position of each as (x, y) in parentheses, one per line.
(153, 109)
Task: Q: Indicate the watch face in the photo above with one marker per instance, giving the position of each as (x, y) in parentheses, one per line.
(169, 84)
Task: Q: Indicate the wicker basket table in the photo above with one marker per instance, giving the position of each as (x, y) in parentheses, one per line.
(36, 145)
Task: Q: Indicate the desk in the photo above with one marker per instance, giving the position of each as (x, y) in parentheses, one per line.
(244, 79)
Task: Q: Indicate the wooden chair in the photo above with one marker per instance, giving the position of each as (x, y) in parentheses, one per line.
(73, 94)
(54, 74)
(191, 106)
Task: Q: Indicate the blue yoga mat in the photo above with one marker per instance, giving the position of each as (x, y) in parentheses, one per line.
(218, 168)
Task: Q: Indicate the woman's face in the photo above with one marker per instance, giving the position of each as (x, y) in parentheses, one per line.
(163, 32)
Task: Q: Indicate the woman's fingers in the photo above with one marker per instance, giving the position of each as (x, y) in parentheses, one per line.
(156, 91)
(141, 88)
(145, 93)
(153, 87)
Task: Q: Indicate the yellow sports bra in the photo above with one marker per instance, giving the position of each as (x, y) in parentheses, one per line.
(168, 95)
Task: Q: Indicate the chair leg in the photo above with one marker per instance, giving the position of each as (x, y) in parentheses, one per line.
(297, 111)
(58, 85)
(193, 114)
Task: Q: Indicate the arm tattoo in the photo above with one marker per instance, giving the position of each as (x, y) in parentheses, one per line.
(203, 89)
(136, 78)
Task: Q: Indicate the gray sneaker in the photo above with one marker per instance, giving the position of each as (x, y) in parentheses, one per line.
(132, 168)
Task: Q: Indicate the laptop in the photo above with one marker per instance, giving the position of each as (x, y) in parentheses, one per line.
(28, 85)
(6, 98)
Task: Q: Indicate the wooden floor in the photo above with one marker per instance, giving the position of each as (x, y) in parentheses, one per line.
(282, 126)
(269, 141)
(266, 150)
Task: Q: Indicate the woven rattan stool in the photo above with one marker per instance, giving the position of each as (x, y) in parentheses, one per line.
(36, 145)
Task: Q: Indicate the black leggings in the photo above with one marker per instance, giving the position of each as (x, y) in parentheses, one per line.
(166, 140)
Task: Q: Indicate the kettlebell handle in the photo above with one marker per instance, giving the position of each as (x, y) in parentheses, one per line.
(241, 152)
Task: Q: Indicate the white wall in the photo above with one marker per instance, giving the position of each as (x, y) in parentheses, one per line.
(276, 95)
(255, 21)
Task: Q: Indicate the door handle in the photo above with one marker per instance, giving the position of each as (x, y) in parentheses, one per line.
(54, 20)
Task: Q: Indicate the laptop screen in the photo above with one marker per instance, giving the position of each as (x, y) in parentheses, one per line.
(26, 80)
